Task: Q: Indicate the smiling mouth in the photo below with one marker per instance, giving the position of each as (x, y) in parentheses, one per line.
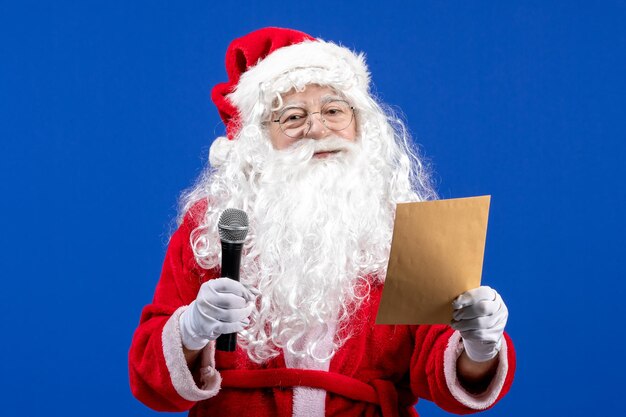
(325, 154)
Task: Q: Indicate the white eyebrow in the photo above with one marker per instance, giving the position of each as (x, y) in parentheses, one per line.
(328, 98)
(289, 105)
(325, 99)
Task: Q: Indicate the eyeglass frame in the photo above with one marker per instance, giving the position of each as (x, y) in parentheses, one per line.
(310, 122)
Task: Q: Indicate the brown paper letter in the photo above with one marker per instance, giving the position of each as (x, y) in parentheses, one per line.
(436, 254)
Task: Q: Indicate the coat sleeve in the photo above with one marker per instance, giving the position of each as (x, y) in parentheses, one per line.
(159, 375)
(433, 371)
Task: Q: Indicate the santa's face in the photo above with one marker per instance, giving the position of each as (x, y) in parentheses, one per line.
(318, 113)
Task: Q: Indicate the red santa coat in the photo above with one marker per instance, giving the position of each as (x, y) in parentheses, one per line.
(380, 370)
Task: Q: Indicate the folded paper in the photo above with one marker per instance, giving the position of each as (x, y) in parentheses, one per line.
(436, 254)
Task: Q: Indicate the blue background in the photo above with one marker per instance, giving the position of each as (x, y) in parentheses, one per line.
(105, 116)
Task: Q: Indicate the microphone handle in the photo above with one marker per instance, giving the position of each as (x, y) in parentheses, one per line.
(231, 262)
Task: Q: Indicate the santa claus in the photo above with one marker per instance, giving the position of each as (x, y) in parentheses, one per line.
(319, 166)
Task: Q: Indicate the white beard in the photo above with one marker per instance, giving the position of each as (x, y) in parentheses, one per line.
(320, 233)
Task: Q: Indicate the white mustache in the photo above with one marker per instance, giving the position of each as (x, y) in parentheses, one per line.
(309, 147)
(331, 145)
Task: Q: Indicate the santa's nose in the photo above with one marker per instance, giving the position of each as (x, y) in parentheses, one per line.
(317, 129)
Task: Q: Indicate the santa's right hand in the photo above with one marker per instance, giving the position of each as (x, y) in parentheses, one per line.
(222, 306)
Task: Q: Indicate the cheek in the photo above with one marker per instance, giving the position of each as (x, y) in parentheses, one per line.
(279, 139)
(282, 142)
(350, 132)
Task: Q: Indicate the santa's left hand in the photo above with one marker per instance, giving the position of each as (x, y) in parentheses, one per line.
(480, 316)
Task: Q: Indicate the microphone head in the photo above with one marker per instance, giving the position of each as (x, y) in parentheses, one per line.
(233, 225)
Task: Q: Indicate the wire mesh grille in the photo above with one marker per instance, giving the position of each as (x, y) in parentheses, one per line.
(233, 225)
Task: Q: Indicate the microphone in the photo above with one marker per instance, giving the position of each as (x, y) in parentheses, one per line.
(233, 228)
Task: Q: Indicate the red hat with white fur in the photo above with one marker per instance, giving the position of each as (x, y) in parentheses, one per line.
(242, 54)
(273, 60)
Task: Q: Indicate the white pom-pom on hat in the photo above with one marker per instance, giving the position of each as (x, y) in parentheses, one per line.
(218, 153)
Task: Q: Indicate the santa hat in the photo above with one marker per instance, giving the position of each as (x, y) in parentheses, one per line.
(274, 60)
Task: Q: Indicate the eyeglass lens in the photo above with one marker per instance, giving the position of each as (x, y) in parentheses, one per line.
(335, 115)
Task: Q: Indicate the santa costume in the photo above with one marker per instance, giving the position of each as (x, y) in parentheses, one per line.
(376, 370)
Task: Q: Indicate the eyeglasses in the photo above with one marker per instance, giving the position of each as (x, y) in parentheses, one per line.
(336, 115)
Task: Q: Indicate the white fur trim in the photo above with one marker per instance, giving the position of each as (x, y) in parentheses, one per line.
(480, 401)
(219, 150)
(309, 401)
(180, 374)
(328, 64)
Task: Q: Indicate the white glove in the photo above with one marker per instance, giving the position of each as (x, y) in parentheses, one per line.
(222, 306)
(480, 316)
